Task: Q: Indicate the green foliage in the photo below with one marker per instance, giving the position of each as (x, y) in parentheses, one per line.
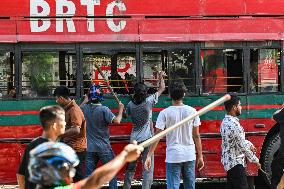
(40, 71)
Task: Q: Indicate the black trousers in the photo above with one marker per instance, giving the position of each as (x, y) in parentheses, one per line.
(237, 178)
(80, 168)
(277, 167)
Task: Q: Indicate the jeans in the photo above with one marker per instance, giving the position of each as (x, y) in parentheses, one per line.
(80, 168)
(93, 159)
(173, 171)
(147, 175)
(237, 178)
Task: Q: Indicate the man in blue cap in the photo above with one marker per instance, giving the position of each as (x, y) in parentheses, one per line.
(98, 117)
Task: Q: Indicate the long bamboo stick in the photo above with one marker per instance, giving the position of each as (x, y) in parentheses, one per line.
(107, 83)
(182, 122)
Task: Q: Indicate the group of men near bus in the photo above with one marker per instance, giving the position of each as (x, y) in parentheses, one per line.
(84, 141)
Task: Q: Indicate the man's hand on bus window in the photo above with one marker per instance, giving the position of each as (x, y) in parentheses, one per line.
(162, 74)
(147, 164)
(200, 163)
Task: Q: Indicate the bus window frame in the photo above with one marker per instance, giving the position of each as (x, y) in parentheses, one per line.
(42, 47)
(239, 46)
(12, 48)
(249, 46)
(109, 47)
(159, 46)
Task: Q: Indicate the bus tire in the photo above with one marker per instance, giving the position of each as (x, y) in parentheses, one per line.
(270, 147)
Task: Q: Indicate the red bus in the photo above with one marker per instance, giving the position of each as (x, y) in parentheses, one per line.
(215, 47)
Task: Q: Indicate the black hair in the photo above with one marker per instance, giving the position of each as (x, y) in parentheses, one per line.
(231, 103)
(140, 93)
(62, 91)
(94, 100)
(177, 90)
(49, 114)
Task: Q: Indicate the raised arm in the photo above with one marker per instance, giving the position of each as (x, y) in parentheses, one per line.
(162, 86)
(86, 99)
(118, 118)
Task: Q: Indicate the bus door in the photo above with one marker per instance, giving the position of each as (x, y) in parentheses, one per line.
(264, 97)
(178, 62)
(222, 71)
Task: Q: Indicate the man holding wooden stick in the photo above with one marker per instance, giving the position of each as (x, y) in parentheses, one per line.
(98, 117)
(235, 147)
(181, 142)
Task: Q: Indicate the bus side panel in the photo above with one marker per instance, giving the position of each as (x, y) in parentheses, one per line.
(10, 157)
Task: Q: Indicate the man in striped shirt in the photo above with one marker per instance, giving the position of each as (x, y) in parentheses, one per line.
(235, 148)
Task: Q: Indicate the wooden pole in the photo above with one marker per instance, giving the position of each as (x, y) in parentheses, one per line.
(107, 83)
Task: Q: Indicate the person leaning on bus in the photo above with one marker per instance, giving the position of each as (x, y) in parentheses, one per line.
(52, 119)
(75, 134)
(140, 111)
(235, 147)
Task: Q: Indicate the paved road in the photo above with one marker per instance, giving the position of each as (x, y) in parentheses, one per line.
(199, 185)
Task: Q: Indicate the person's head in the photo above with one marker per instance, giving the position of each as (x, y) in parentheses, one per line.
(95, 94)
(140, 93)
(62, 94)
(52, 119)
(52, 164)
(233, 106)
(177, 90)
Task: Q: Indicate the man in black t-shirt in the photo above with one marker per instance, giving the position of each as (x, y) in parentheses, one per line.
(52, 120)
(52, 166)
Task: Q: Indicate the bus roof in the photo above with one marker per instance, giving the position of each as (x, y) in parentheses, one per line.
(65, 21)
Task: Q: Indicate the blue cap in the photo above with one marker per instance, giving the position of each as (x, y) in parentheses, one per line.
(94, 95)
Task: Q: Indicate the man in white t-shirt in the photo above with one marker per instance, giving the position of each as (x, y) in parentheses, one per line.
(181, 142)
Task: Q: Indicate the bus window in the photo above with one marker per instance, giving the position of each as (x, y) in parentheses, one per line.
(119, 68)
(181, 67)
(43, 71)
(178, 64)
(222, 71)
(264, 70)
(7, 88)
